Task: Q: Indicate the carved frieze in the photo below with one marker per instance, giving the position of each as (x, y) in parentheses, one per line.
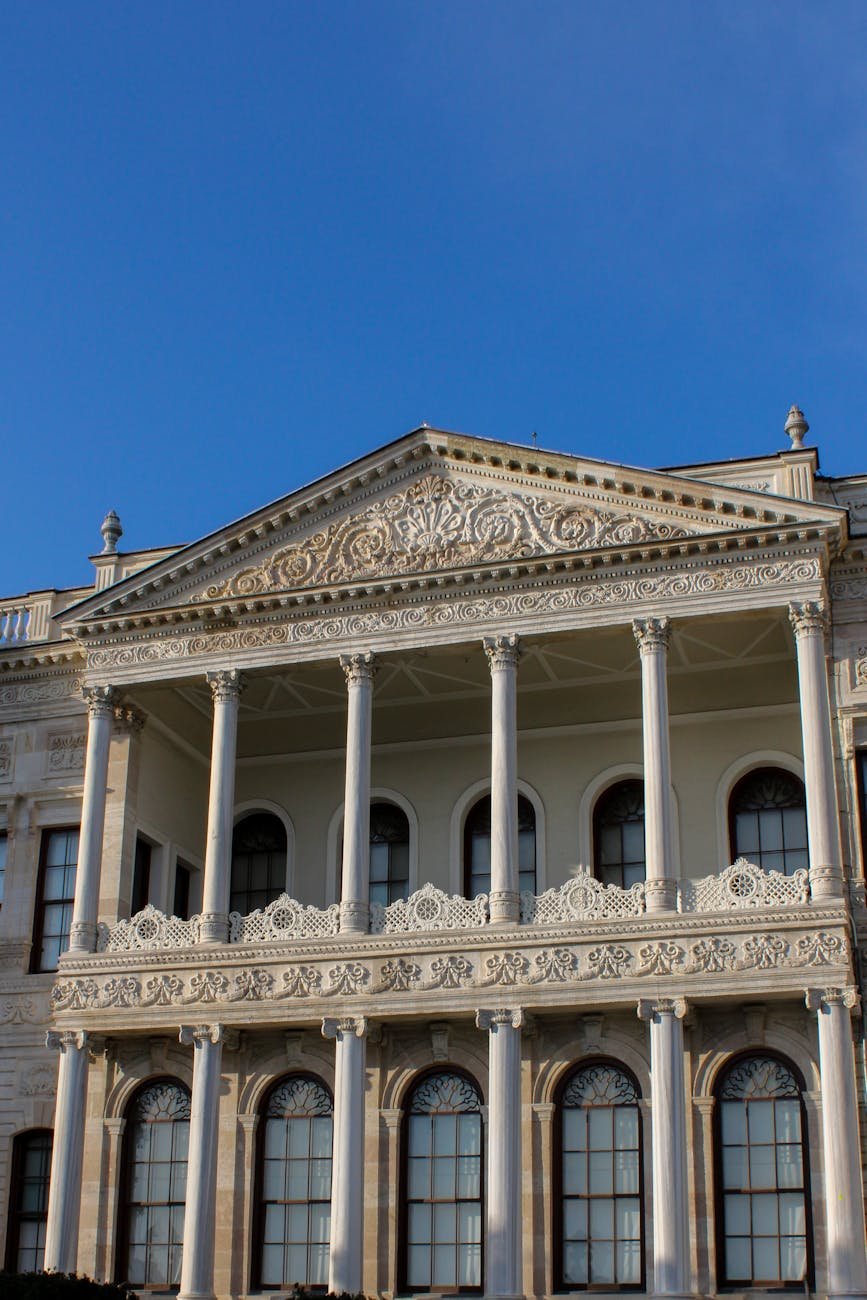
(7, 756)
(42, 691)
(65, 754)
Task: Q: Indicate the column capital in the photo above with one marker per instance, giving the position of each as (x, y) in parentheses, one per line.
(653, 1008)
(128, 719)
(249, 1122)
(391, 1116)
(357, 668)
(226, 684)
(100, 700)
(114, 1126)
(344, 1027)
(808, 619)
(819, 999)
(503, 651)
(195, 1035)
(61, 1040)
(512, 1017)
(651, 634)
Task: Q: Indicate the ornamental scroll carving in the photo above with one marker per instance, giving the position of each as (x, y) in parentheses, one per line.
(438, 523)
(741, 886)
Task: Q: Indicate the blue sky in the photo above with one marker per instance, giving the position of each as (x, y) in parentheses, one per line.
(243, 243)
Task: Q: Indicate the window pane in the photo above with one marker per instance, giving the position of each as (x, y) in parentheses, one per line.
(793, 1259)
(738, 1266)
(601, 1261)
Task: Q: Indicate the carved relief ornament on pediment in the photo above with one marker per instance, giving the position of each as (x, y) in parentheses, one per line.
(439, 523)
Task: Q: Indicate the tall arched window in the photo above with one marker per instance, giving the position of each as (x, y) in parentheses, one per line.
(155, 1186)
(768, 820)
(28, 1201)
(443, 1181)
(389, 853)
(618, 834)
(762, 1175)
(601, 1203)
(294, 1184)
(477, 847)
(258, 862)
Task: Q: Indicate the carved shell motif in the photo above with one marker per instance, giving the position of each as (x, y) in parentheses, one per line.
(440, 524)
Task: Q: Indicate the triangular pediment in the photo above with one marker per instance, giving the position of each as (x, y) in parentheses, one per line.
(435, 503)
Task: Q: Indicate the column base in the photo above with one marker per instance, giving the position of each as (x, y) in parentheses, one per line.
(213, 927)
(661, 895)
(82, 937)
(826, 882)
(354, 918)
(196, 1295)
(505, 907)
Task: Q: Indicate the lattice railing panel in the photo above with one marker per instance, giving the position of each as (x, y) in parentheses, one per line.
(150, 928)
(582, 898)
(429, 909)
(742, 886)
(285, 918)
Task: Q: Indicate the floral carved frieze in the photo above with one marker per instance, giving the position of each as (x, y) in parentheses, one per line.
(39, 691)
(439, 523)
(7, 751)
(65, 754)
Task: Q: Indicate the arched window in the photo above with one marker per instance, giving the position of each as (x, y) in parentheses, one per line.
(294, 1184)
(477, 847)
(762, 1175)
(28, 1201)
(618, 834)
(258, 862)
(389, 853)
(155, 1186)
(768, 820)
(443, 1181)
(601, 1203)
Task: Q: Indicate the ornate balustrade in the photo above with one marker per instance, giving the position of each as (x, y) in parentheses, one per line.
(147, 930)
(429, 909)
(284, 919)
(742, 886)
(583, 898)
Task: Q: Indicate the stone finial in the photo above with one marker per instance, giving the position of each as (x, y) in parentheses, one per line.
(796, 427)
(111, 532)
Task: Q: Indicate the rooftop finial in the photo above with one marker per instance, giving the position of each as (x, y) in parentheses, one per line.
(796, 427)
(111, 532)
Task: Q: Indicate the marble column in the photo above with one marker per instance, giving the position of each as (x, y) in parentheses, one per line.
(67, 1152)
(347, 1177)
(668, 1145)
(197, 1266)
(226, 687)
(100, 706)
(823, 828)
(844, 1194)
(652, 636)
(503, 1183)
(359, 670)
(503, 653)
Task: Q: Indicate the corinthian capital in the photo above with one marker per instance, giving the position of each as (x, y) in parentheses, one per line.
(502, 651)
(651, 634)
(128, 719)
(818, 999)
(359, 667)
(344, 1027)
(226, 684)
(511, 1017)
(808, 619)
(100, 700)
(63, 1040)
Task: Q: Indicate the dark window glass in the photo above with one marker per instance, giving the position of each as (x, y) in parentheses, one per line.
(477, 847)
(294, 1201)
(618, 835)
(4, 846)
(141, 877)
(861, 760)
(389, 853)
(601, 1209)
(258, 862)
(58, 859)
(443, 1179)
(762, 1176)
(155, 1163)
(768, 820)
(28, 1201)
(181, 897)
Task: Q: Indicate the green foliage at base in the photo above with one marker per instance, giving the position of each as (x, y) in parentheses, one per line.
(59, 1286)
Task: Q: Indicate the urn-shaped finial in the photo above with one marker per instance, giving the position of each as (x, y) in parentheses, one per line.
(111, 532)
(796, 427)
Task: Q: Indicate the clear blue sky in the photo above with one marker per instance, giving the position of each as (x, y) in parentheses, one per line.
(243, 243)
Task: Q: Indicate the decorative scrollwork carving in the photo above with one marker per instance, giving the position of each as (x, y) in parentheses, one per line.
(741, 886)
(583, 898)
(429, 909)
(148, 929)
(299, 1096)
(445, 1094)
(759, 1076)
(599, 1085)
(285, 918)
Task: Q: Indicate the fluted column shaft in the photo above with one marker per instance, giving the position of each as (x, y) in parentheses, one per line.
(197, 1267)
(503, 653)
(503, 1228)
(652, 636)
(67, 1151)
(844, 1193)
(347, 1178)
(100, 704)
(823, 828)
(359, 670)
(668, 1143)
(226, 687)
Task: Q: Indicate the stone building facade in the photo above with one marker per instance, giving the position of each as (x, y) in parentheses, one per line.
(449, 878)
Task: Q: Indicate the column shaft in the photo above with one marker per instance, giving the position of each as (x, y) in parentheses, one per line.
(668, 1144)
(823, 829)
(226, 687)
(503, 653)
(64, 1195)
(652, 636)
(347, 1179)
(355, 883)
(197, 1268)
(503, 1236)
(844, 1193)
(82, 932)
